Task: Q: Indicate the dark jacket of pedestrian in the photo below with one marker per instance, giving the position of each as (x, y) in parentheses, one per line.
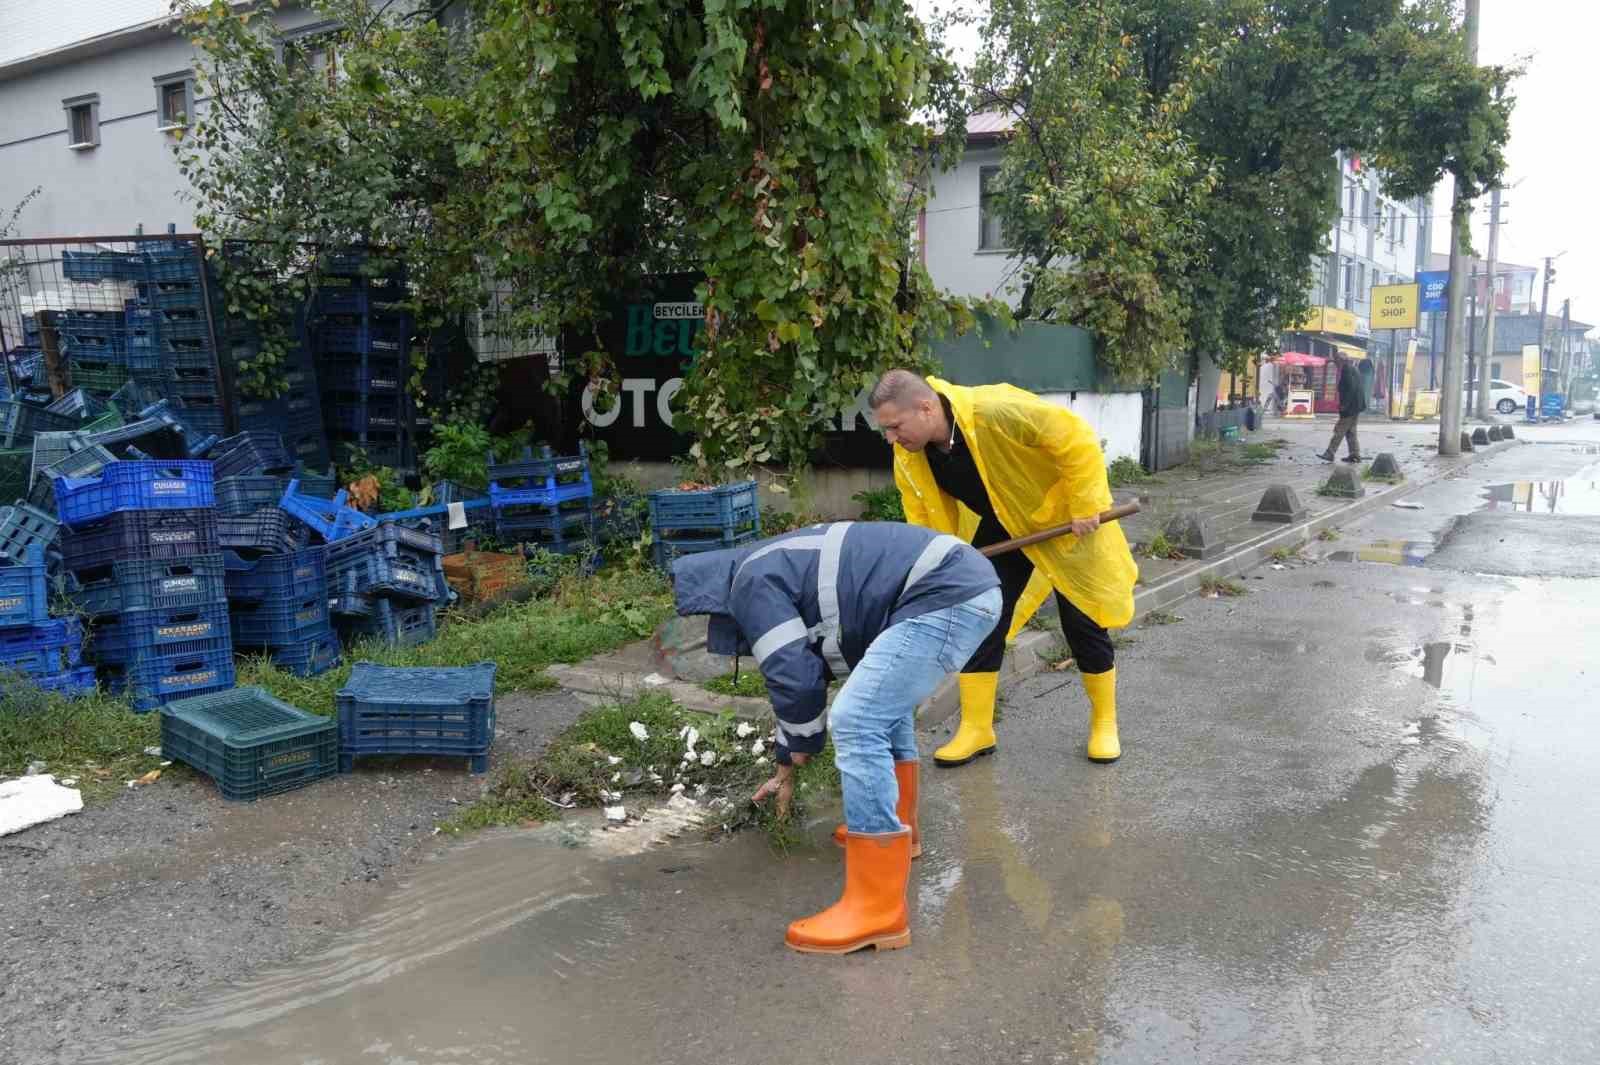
(1352, 393)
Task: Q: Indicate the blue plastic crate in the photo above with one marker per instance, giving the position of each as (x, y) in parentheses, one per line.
(291, 575)
(270, 530)
(544, 470)
(249, 453)
(250, 743)
(394, 624)
(396, 710)
(48, 647)
(329, 518)
(375, 563)
(70, 683)
(310, 656)
(279, 622)
(92, 323)
(140, 536)
(245, 495)
(317, 485)
(171, 295)
(722, 507)
(366, 414)
(85, 266)
(160, 585)
(158, 679)
(23, 527)
(24, 598)
(135, 634)
(382, 378)
(20, 421)
(167, 484)
(382, 448)
(665, 552)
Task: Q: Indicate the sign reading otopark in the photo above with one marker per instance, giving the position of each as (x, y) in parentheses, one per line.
(654, 336)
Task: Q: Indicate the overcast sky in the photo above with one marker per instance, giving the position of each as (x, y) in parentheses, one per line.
(1554, 153)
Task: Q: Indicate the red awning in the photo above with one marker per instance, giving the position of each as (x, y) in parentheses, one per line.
(1299, 358)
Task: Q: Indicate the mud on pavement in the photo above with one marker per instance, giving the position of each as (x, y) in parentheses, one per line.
(110, 917)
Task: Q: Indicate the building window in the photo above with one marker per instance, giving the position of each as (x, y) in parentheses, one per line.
(1401, 237)
(1349, 286)
(312, 50)
(1350, 211)
(1366, 207)
(83, 121)
(174, 99)
(989, 236)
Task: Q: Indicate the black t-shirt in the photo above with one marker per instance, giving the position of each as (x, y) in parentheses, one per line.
(956, 473)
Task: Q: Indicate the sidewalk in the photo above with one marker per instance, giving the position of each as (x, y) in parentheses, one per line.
(1223, 485)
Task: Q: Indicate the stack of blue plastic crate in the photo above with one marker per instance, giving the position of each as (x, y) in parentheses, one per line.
(140, 544)
(544, 500)
(162, 338)
(362, 343)
(49, 651)
(385, 583)
(278, 605)
(686, 522)
(295, 411)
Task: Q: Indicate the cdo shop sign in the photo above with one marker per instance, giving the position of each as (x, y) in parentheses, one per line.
(654, 337)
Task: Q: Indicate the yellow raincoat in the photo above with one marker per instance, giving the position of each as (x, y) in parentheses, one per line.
(1043, 467)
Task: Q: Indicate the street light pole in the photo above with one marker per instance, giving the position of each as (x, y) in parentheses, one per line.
(1482, 408)
(1544, 310)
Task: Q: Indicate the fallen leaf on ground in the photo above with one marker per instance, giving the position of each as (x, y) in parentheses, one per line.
(150, 777)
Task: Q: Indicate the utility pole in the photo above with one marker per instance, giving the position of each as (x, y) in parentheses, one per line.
(1566, 328)
(1482, 409)
(1460, 241)
(1472, 341)
(1544, 309)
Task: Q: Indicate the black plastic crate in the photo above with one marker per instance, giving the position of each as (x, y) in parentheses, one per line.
(168, 584)
(400, 710)
(160, 678)
(250, 743)
(270, 530)
(134, 635)
(140, 536)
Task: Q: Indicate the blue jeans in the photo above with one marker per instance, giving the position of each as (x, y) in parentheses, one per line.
(874, 715)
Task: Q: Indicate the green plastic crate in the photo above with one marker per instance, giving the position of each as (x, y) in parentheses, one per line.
(102, 379)
(250, 743)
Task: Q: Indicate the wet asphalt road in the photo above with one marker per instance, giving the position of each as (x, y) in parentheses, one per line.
(1357, 820)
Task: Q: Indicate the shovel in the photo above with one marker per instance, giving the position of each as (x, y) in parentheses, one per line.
(1126, 510)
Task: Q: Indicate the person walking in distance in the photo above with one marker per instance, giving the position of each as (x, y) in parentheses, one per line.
(1352, 401)
(995, 462)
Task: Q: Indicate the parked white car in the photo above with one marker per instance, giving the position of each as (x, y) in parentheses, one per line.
(1504, 397)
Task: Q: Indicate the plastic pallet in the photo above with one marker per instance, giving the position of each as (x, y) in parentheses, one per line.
(23, 527)
(133, 635)
(24, 597)
(164, 585)
(269, 530)
(709, 508)
(161, 678)
(665, 552)
(140, 536)
(389, 710)
(51, 646)
(176, 484)
(291, 575)
(328, 518)
(249, 743)
(390, 623)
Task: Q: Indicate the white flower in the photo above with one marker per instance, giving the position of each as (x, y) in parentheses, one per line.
(615, 777)
(688, 756)
(612, 759)
(757, 747)
(701, 789)
(745, 730)
(640, 733)
(761, 761)
(677, 789)
(708, 758)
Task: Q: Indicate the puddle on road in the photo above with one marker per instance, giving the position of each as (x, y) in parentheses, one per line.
(1565, 496)
(1393, 552)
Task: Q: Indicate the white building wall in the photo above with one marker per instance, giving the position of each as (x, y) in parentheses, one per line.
(954, 260)
(1117, 418)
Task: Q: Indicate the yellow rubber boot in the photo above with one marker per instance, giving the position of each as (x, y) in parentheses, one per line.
(1102, 690)
(975, 737)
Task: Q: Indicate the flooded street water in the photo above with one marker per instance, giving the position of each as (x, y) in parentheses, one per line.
(1354, 822)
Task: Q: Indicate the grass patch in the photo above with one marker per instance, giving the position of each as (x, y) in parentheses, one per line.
(1277, 443)
(1284, 554)
(1161, 617)
(582, 616)
(1125, 471)
(747, 682)
(1160, 547)
(96, 739)
(599, 761)
(1328, 535)
(1327, 488)
(1256, 454)
(1396, 478)
(1120, 639)
(1220, 588)
(1208, 456)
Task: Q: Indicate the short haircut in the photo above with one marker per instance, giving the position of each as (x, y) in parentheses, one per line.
(900, 387)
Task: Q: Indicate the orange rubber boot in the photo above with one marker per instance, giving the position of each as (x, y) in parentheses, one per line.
(872, 911)
(905, 808)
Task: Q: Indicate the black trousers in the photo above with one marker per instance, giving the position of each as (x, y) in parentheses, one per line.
(1090, 644)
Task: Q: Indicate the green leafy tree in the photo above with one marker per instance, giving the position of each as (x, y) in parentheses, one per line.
(765, 143)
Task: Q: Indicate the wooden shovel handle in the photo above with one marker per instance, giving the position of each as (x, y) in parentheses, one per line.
(1126, 510)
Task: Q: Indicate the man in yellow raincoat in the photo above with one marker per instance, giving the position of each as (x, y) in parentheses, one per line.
(994, 462)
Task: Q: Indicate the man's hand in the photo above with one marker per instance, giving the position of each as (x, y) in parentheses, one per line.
(781, 785)
(1085, 526)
